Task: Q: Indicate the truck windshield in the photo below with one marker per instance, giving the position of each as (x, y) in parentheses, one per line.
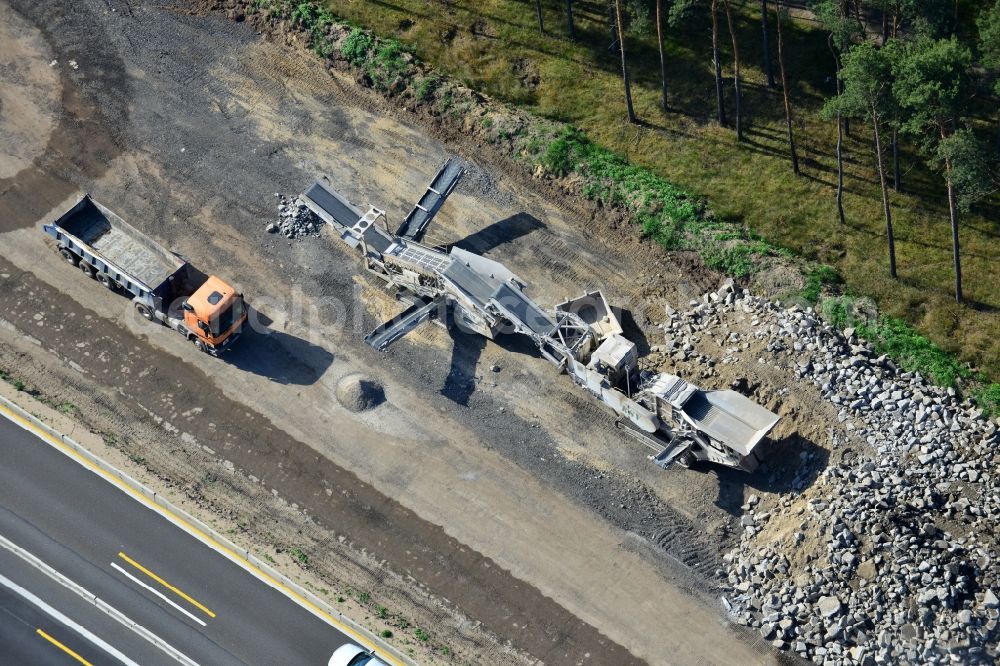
(225, 320)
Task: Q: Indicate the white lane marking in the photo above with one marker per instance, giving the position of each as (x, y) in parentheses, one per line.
(156, 592)
(56, 615)
(108, 609)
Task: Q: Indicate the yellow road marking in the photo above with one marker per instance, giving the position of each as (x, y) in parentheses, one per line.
(179, 592)
(202, 536)
(63, 647)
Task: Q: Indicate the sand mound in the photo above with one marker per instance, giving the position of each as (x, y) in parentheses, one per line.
(358, 393)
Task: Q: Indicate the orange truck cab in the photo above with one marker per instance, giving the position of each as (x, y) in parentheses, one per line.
(214, 314)
(164, 287)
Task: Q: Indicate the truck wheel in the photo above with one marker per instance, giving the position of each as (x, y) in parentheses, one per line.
(202, 347)
(87, 269)
(69, 256)
(106, 281)
(686, 460)
(144, 311)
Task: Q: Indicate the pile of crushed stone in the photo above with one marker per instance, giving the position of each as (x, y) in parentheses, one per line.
(890, 555)
(294, 219)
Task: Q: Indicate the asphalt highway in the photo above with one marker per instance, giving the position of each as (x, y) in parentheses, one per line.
(198, 604)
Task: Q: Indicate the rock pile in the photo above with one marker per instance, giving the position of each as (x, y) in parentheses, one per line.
(294, 219)
(890, 556)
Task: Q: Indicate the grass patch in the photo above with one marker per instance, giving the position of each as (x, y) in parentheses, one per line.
(816, 279)
(988, 399)
(912, 351)
(300, 556)
(67, 408)
(364, 597)
(421, 634)
(18, 385)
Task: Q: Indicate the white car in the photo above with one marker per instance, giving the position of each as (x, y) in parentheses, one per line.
(354, 655)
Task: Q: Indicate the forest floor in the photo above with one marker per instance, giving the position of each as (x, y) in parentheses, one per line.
(495, 46)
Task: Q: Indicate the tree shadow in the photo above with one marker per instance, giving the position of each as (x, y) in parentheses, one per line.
(500, 232)
(276, 355)
(791, 464)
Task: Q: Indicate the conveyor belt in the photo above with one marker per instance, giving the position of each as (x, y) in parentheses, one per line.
(398, 326)
(444, 182)
(522, 311)
(330, 206)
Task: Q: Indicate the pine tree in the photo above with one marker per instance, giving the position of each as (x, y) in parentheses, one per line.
(621, 49)
(784, 90)
(930, 84)
(866, 75)
(663, 56)
(736, 71)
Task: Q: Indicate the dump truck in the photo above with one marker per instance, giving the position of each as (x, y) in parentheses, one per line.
(164, 287)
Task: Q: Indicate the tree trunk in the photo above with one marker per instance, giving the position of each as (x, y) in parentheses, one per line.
(767, 48)
(569, 19)
(613, 26)
(840, 138)
(621, 48)
(885, 195)
(784, 90)
(538, 9)
(953, 216)
(719, 99)
(895, 160)
(663, 55)
(998, 136)
(736, 71)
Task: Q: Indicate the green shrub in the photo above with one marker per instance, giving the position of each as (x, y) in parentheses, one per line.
(427, 87)
(421, 634)
(558, 158)
(305, 14)
(388, 64)
(356, 47)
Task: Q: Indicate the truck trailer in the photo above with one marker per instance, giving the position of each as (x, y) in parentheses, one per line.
(164, 287)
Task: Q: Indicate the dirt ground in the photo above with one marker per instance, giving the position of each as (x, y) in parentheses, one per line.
(485, 499)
